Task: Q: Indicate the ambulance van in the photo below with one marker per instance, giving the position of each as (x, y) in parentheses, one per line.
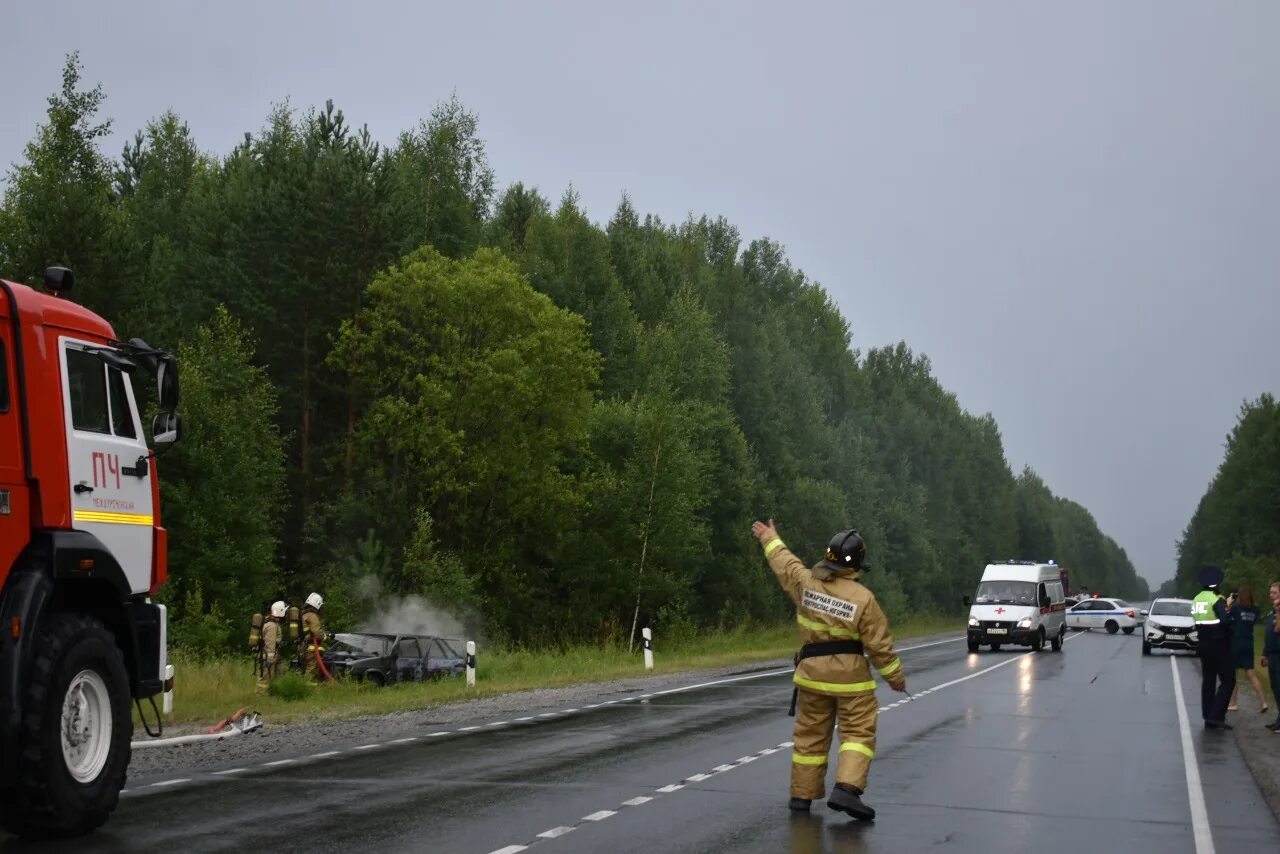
(1020, 603)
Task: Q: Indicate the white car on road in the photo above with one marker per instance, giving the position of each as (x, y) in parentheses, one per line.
(1170, 626)
(1114, 615)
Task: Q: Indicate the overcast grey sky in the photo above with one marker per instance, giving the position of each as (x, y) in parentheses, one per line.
(1072, 208)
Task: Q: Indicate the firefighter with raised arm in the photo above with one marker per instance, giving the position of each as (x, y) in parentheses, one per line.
(842, 625)
(313, 636)
(270, 646)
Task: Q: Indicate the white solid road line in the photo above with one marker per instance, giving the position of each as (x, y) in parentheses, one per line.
(933, 643)
(1195, 793)
(775, 672)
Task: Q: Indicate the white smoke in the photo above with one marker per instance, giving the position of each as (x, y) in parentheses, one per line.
(414, 615)
(367, 588)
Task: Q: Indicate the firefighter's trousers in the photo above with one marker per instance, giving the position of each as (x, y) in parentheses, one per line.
(268, 671)
(310, 663)
(816, 716)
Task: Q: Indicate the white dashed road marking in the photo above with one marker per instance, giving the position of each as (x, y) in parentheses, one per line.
(599, 816)
(555, 831)
(635, 802)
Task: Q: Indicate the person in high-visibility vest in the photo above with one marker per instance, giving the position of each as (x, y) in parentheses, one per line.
(842, 625)
(1213, 632)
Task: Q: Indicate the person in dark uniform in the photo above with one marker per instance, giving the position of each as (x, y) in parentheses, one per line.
(1213, 628)
(1271, 649)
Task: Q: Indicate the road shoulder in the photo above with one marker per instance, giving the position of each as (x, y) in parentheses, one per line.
(1259, 746)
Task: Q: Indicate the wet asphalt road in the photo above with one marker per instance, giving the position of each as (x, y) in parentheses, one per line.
(1000, 751)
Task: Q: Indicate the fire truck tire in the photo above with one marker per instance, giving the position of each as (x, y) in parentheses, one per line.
(76, 729)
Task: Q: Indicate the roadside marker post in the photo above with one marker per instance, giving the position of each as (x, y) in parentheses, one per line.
(647, 634)
(168, 689)
(471, 664)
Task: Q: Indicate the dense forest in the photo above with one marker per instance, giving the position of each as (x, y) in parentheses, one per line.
(1237, 524)
(400, 379)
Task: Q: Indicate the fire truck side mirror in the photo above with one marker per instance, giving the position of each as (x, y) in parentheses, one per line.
(59, 280)
(166, 428)
(167, 383)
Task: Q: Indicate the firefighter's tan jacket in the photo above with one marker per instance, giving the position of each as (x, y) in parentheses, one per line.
(312, 631)
(270, 642)
(835, 606)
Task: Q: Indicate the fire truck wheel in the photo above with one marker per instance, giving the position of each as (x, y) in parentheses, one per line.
(76, 728)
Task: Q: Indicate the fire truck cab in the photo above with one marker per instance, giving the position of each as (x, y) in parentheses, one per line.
(82, 550)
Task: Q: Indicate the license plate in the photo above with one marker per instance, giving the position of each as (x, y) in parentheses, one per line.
(997, 631)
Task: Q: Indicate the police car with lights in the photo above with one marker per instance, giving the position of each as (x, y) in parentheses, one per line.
(1170, 626)
(1019, 603)
(1114, 615)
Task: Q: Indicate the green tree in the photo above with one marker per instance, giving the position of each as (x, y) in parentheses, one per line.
(567, 258)
(441, 186)
(58, 206)
(476, 392)
(1234, 525)
(158, 174)
(223, 484)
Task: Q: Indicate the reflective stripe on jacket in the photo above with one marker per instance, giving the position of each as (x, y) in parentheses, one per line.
(829, 607)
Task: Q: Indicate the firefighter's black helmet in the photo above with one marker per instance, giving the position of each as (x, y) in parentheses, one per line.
(847, 551)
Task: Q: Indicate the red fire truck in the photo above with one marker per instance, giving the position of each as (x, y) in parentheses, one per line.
(81, 552)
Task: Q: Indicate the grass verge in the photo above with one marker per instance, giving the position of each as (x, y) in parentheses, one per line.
(206, 692)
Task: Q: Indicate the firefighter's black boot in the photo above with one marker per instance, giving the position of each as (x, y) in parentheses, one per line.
(848, 799)
(799, 804)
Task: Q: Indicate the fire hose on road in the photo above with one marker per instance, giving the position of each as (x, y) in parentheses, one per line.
(237, 724)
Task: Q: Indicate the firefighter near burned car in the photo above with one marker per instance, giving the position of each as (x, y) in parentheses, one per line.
(842, 625)
(267, 639)
(82, 550)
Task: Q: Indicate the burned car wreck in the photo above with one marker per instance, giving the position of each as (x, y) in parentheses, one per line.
(383, 659)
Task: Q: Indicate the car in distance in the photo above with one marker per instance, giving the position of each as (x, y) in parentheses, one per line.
(1113, 615)
(383, 659)
(1170, 626)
